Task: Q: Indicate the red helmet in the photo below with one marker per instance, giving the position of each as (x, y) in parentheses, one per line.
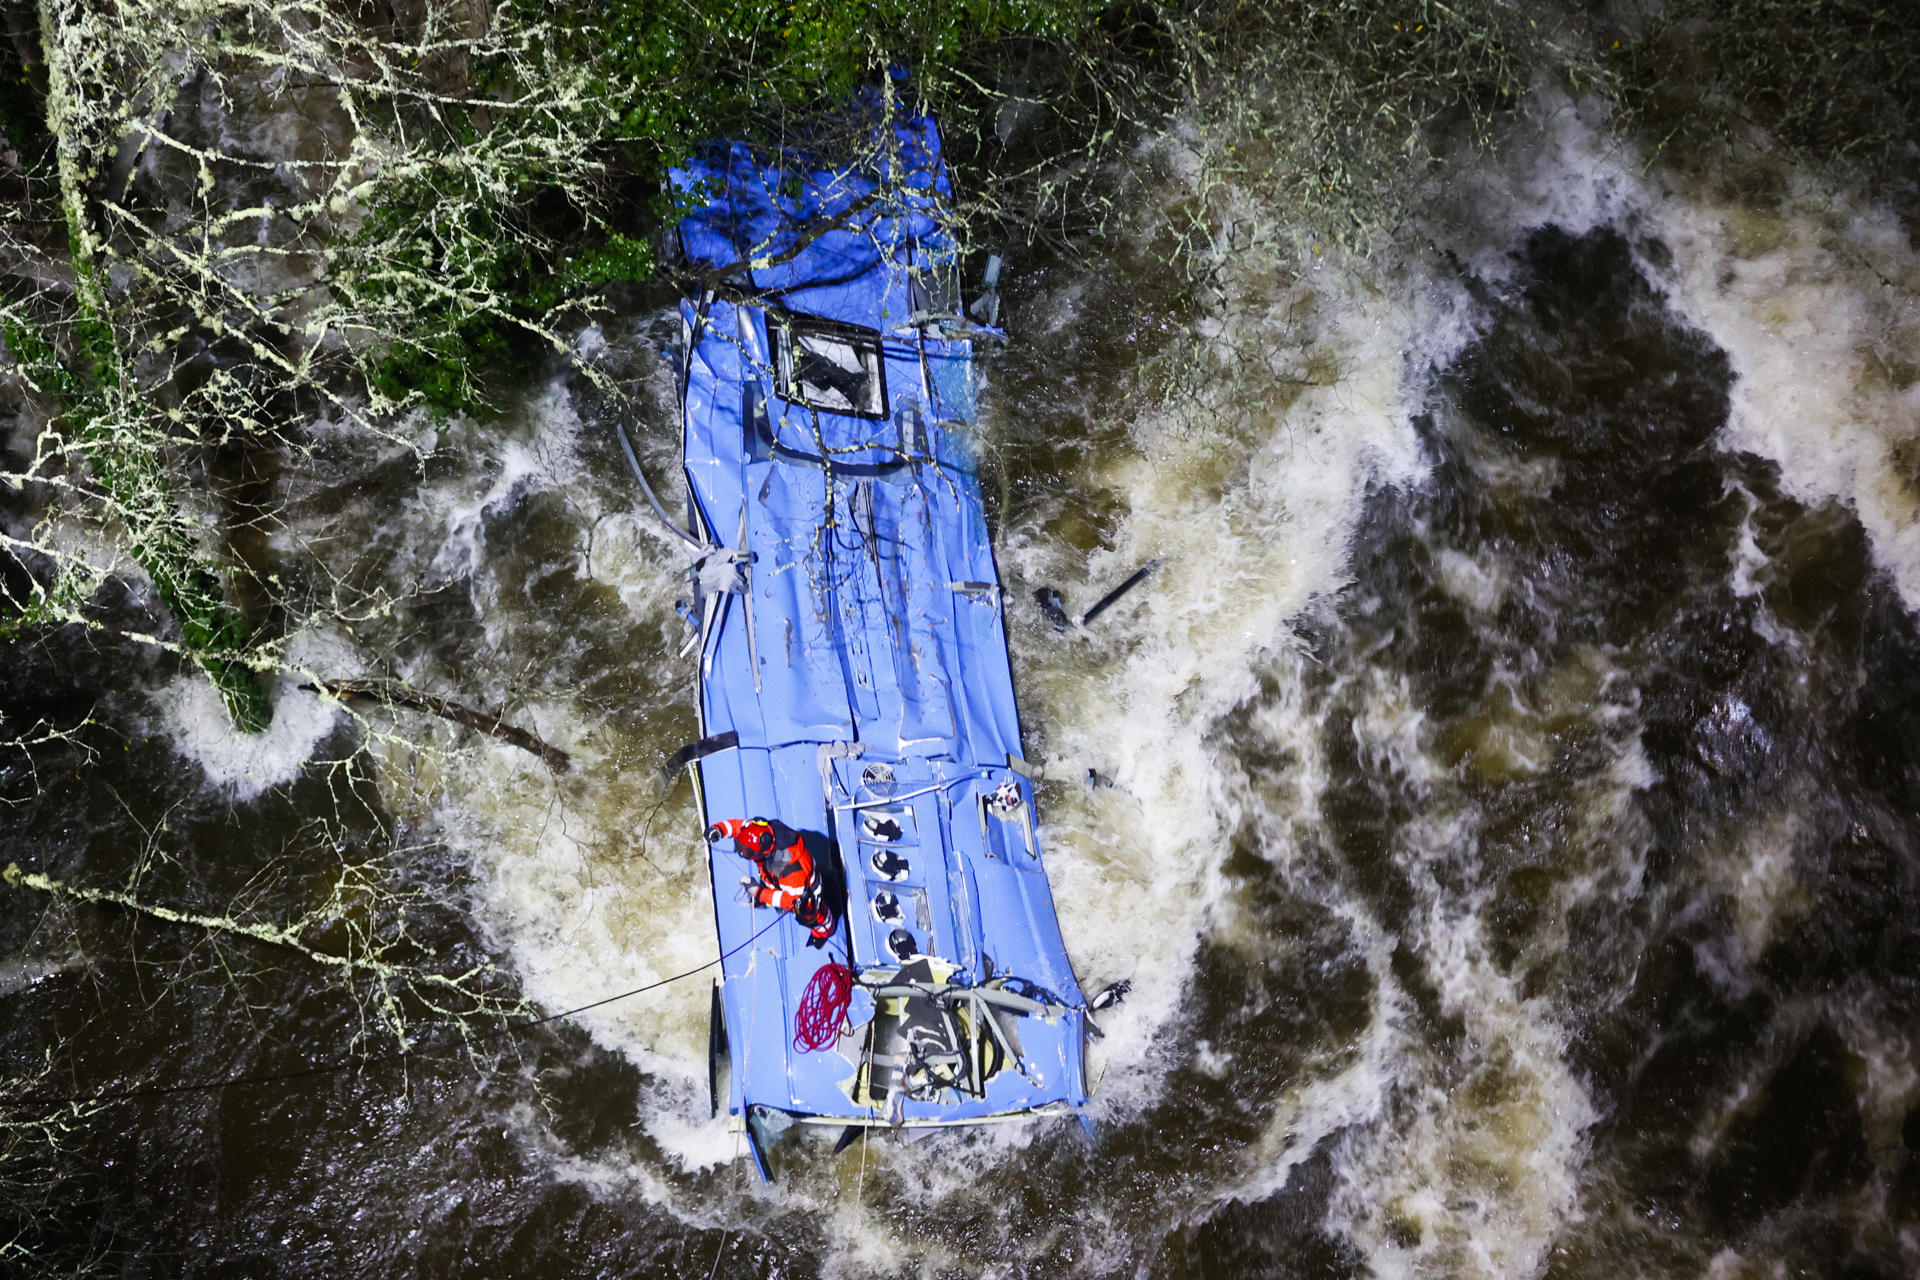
(756, 841)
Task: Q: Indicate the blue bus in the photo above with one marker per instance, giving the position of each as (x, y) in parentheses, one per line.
(854, 687)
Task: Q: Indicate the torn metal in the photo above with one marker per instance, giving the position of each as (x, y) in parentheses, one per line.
(851, 651)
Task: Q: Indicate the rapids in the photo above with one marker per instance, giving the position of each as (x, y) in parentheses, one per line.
(1511, 839)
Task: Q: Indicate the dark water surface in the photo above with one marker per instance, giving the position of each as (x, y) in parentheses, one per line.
(1513, 844)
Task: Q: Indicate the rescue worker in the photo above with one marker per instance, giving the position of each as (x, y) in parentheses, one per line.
(791, 877)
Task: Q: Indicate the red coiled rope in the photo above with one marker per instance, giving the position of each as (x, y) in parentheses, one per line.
(816, 1023)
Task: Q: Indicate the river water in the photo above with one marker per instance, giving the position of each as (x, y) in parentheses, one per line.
(1511, 835)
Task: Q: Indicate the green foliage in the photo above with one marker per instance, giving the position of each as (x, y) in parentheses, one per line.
(484, 266)
(503, 277)
(513, 255)
(710, 69)
(135, 486)
(444, 369)
(621, 260)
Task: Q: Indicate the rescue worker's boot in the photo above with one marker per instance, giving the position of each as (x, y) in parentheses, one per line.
(818, 920)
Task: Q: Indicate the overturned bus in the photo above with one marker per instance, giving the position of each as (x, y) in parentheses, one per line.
(853, 676)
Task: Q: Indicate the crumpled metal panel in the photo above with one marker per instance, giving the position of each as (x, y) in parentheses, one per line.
(864, 669)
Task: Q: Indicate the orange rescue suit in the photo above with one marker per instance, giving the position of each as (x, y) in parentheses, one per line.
(789, 875)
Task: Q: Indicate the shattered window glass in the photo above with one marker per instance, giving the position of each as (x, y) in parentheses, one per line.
(833, 369)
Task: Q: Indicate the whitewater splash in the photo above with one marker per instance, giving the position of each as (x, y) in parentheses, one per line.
(1813, 293)
(1310, 376)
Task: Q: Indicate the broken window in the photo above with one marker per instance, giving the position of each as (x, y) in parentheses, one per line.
(836, 368)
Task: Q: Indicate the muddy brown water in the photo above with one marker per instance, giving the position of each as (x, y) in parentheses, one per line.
(1512, 837)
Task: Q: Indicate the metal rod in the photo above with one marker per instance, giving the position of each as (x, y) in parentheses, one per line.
(633, 461)
(1106, 601)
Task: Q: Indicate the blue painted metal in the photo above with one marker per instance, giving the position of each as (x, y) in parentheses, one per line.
(852, 638)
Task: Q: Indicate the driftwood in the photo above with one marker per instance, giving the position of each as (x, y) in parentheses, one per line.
(396, 694)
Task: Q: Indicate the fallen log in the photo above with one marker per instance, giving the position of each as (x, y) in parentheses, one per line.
(396, 693)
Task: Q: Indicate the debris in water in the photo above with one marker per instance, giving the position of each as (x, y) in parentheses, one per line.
(396, 694)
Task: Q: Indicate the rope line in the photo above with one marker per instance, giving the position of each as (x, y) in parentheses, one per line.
(348, 1064)
(816, 1023)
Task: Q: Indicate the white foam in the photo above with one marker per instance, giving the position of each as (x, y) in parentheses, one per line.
(1757, 873)
(1485, 1167)
(1566, 172)
(1355, 1097)
(1813, 294)
(1890, 1080)
(1480, 583)
(516, 464)
(243, 765)
(1464, 1166)
(586, 905)
(1250, 490)
(1816, 300)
